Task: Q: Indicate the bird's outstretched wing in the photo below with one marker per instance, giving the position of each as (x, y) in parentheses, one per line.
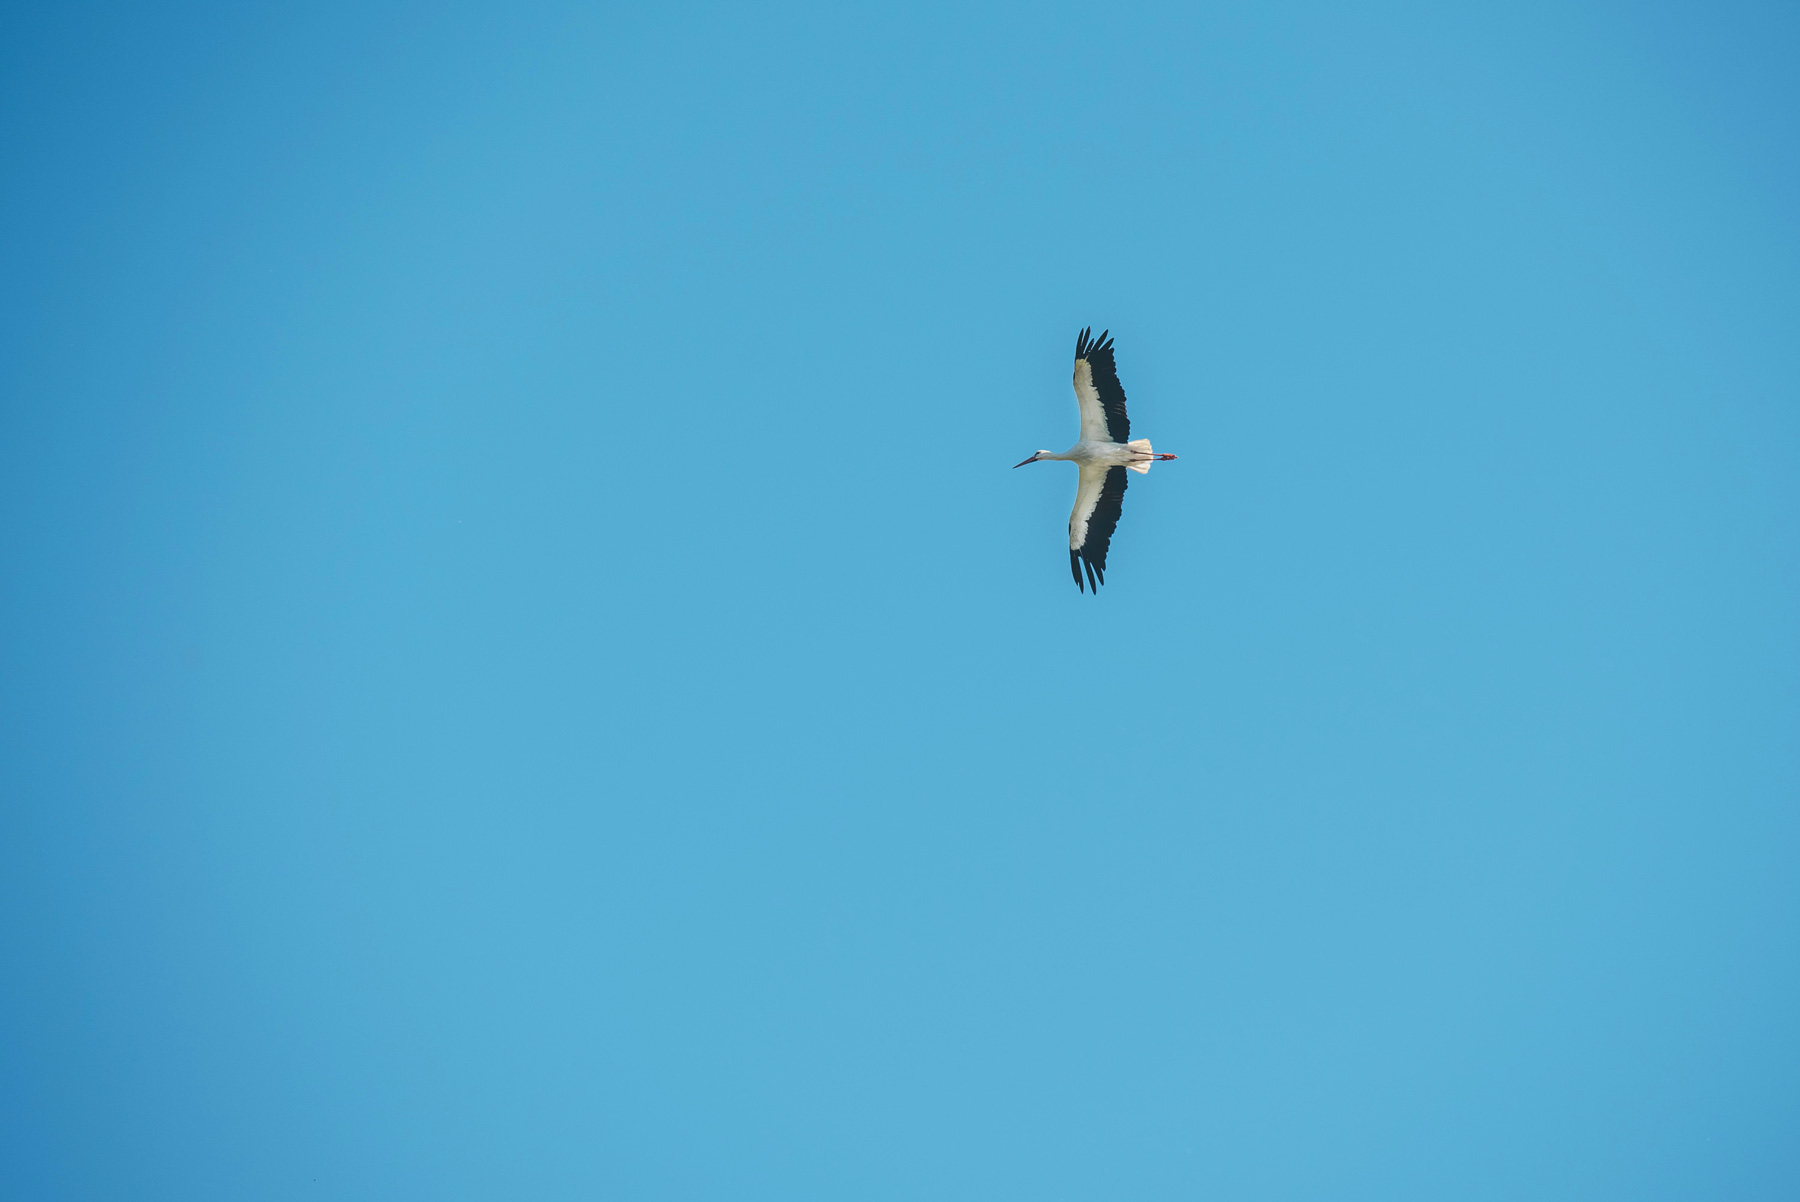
(1097, 390)
(1097, 504)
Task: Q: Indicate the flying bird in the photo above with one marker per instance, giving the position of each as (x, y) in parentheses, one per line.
(1105, 453)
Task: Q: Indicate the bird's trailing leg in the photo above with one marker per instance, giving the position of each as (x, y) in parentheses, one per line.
(1142, 456)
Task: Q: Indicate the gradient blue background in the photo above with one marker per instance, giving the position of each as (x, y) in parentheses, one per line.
(526, 673)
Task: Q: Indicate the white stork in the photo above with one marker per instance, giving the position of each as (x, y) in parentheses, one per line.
(1105, 453)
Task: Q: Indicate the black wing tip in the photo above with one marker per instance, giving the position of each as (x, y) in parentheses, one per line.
(1096, 572)
(1087, 346)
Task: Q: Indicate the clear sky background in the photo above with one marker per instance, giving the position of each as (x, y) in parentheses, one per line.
(526, 673)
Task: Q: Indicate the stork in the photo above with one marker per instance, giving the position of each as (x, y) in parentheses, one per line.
(1105, 453)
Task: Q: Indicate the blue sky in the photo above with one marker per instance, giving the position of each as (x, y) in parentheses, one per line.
(526, 673)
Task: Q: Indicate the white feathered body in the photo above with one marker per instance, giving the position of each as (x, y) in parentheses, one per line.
(1135, 454)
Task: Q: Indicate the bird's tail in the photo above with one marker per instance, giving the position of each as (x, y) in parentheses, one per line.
(1142, 447)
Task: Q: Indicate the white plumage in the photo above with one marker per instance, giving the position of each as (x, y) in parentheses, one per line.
(1105, 453)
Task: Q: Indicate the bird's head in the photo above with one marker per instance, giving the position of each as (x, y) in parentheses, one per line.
(1035, 456)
